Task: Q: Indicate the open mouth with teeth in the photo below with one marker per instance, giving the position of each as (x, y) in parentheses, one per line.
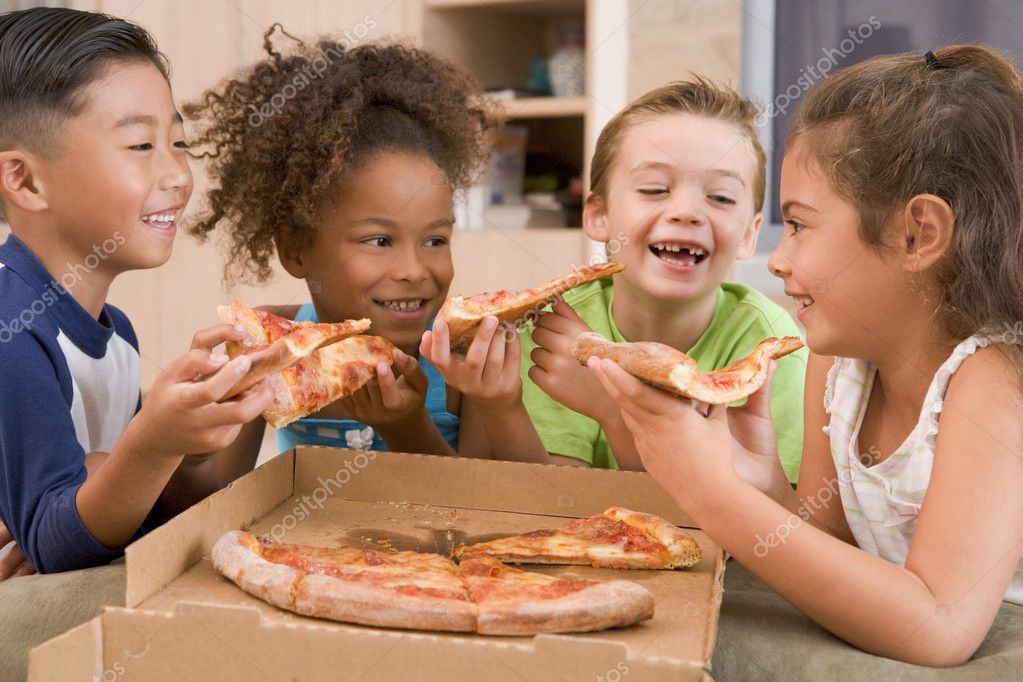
(679, 254)
(160, 221)
(405, 305)
(803, 301)
(803, 304)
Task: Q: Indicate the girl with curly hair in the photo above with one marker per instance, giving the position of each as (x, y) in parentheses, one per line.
(343, 163)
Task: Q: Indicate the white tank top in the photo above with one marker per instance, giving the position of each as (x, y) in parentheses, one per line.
(882, 501)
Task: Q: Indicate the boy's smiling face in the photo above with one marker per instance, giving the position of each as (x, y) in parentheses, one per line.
(680, 204)
(120, 178)
(382, 249)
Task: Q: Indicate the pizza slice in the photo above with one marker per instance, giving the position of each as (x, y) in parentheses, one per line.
(674, 371)
(615, 538)
(510, 601)
(274, 343)
(415, 590)
(400, 590)
(464, 315)
(329, 370)
(328, 374)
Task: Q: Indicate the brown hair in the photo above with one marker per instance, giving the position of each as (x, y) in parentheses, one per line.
(699, 97)
(951, 124)
(285, 131)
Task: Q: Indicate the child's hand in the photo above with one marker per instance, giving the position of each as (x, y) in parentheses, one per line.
(556, 371)
(13, 563)
(489, 373)
(389, 401)
(183, 415)
(686, 452)
(755, 447)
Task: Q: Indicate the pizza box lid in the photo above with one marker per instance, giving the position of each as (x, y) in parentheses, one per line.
(183, 620)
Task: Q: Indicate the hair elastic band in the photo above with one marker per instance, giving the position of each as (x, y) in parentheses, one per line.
(931, 61)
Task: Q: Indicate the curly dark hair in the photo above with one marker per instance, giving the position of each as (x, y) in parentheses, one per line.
(285, 131)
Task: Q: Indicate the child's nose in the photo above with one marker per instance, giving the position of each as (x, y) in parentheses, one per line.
(685, 206)
(778, 264)
(175, 174)
(408, 266)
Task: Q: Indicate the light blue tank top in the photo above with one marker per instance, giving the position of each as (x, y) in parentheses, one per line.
(348, 433)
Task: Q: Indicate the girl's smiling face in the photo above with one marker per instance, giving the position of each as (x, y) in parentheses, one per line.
(851, 296)
(680, 203)
(382, 248)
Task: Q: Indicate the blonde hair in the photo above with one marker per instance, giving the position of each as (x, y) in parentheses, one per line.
(951, 125)
(699, 97)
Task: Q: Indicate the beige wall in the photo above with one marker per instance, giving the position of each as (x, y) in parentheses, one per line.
(670, 40)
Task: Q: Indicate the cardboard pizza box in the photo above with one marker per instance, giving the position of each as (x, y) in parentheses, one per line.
(185, 621)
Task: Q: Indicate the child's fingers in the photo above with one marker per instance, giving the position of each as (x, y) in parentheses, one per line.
(548, 338)
(411, 371)
(426, 345)
(629, 392)
(5, 536)
(542, 358)
(441, 344)
(241, 409)
(26, 568)
(215, 388)
(513, 352)
(759, 402)
(493, 367)
(372, 389)
(14, 563)
(390, 394)
(477, 355)
(565, 314)
(210, 338)
(195, 363)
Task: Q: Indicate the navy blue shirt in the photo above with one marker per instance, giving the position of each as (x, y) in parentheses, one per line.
(69, 384)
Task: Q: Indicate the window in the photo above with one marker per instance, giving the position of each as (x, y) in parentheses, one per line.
(789, 45)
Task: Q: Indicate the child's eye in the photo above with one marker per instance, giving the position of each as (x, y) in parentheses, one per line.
(144, 147)
(377, 241)
(181, 144)
(728, 201)
(437, 241)
(796, 227)
(652, 191)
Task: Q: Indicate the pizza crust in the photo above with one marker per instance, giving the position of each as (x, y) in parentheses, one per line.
(610, 604)
(237, 556)
(684, 549)
(351, 602)
(672, 370)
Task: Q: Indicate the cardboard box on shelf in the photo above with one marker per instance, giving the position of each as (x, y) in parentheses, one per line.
(184, 621)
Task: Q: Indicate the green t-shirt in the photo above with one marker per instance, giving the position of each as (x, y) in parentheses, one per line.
(743, 317)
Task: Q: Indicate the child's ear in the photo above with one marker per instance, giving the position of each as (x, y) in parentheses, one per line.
(929, 223)
(291, 258)
(19, 183)
(748, 245)
(595, 222)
